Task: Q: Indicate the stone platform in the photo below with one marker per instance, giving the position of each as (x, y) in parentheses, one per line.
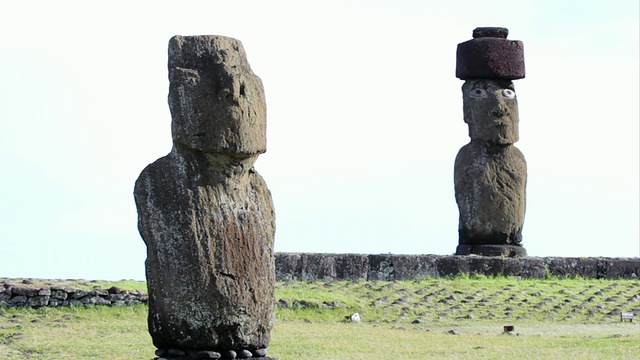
(331, 267)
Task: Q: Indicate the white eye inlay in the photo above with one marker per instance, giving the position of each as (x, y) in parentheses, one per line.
(509, 94)
(478, 93)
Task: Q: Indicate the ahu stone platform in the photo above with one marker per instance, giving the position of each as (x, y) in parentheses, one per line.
(331, 267)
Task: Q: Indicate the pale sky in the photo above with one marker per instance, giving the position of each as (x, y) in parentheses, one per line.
(364, 122)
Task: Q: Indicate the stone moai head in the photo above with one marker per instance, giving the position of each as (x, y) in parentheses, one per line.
(490, 109)
(488, 63)
(217, 103)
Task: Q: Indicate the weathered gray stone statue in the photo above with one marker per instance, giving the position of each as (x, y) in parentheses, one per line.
(205, 214)
(490, 172)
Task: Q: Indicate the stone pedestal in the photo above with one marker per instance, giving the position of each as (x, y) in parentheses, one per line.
(491, 250)
(190, 358)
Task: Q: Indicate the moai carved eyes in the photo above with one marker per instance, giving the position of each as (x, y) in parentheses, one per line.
(509, 94)
(478, 93)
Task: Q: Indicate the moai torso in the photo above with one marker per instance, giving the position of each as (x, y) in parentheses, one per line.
(490, 185)
(490, 173)
(204, 213)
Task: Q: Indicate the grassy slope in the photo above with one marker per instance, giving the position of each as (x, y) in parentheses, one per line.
(478, 298)
(553, 318)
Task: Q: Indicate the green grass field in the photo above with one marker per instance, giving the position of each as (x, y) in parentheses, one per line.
(459, 318)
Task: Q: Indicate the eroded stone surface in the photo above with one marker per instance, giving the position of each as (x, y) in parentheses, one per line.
(490, 191)
(497, 32)
(204, 213)
(217, 103)
(490, 55)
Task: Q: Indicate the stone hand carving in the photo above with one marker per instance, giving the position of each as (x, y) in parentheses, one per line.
(205, 214)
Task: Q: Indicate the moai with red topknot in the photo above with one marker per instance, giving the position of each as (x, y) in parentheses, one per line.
(490, 173)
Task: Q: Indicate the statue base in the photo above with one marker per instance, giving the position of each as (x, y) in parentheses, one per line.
(176, 354)
(190, 358)
(491, 250)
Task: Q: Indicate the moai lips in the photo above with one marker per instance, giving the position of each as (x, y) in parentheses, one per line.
(205, 214)
(490, 173)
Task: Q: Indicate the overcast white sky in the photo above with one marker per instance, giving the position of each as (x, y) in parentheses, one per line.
(364, 123)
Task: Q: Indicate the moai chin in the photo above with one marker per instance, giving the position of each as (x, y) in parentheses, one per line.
(490, 173)
(205, 214)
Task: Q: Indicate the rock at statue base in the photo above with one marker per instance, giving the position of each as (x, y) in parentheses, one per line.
(190, 358)
(492, 250)
(205, 214)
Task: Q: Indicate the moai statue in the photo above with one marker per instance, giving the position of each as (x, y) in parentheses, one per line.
(490, 172)
(205, 214)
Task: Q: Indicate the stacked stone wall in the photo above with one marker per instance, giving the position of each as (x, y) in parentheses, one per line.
(12, 295)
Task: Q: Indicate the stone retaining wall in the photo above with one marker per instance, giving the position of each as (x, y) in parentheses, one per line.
(18, 296)
(328, 267)
(332, 267)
